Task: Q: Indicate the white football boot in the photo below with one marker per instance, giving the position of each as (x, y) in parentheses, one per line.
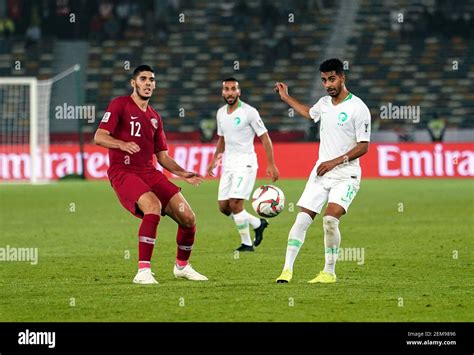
(188, 273)
(144, 277)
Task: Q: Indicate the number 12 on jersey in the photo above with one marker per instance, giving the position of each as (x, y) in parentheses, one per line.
(135, 129)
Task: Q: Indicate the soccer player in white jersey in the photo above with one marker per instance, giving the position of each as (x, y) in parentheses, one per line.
(345, 135)
(237, 125)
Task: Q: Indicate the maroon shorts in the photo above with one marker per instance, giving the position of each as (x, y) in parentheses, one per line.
(129, 186)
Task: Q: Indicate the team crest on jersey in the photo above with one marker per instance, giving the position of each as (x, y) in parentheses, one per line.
(342, 118)
(237, 121)
(154, 122)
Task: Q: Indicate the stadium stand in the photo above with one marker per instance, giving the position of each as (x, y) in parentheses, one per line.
(389, 62)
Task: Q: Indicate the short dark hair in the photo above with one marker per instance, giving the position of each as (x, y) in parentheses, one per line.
(230, 79)
(141, 68)
(333, 64)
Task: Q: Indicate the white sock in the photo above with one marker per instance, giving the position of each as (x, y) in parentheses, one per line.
(332, 240)
(254, 221)
(296, 238)
(241, 220)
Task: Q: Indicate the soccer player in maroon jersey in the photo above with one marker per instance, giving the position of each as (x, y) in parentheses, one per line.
(133, 131)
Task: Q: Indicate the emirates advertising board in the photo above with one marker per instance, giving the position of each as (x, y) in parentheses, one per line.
(294, 160)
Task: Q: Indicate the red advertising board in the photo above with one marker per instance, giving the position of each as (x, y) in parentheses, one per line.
(295, 160)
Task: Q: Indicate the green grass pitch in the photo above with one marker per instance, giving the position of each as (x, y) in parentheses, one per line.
(417, 237)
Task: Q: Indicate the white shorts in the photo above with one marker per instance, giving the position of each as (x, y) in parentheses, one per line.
(237, 184)
(320, 190)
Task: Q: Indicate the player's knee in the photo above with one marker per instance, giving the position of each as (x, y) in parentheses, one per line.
(150, 204)
(236, 206)
(224, 209)
(153, 208)
(188, 220)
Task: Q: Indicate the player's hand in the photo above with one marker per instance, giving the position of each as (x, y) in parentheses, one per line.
(191, 177)
(273, 172)
(129, 147)
(326, 166)
(282, 89)
(217, 161)
(211, 167)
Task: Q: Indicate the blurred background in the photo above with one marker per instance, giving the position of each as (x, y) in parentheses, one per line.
(402, 53)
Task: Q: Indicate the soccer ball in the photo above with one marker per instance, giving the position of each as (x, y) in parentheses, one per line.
(268, 201)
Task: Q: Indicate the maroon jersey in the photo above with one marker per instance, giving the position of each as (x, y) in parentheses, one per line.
(127, 122)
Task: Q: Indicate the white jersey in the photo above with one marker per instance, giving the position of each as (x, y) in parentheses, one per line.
(239, 129)
(341, 127)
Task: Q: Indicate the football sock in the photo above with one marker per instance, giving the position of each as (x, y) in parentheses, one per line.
(332, 240)
(185, 241)
(253, 221)
(296, 238)
(146, 239)
(241, 220)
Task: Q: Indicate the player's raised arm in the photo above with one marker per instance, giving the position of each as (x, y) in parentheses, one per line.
(103, 138)
(272, 169)
(217, 155)
(172, 166)
(302, 109)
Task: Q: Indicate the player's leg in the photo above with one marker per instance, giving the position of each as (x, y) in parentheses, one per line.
(340, 197)
(257, 224)
(311, 203)
(241, 189)
(150, 206)
(241, 220)
(134, 194)
(224, 207)
(225, 184)
(180, 211)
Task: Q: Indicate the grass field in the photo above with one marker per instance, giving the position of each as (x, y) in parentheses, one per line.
(418, 263)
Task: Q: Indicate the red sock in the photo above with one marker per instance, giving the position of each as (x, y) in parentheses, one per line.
(185, 241)
(146, 239)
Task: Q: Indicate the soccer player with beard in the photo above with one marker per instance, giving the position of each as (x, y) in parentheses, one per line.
(345, 134)
(237, 125)
(133, 132)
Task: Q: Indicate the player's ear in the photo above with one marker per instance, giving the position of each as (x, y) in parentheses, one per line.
(132, 83)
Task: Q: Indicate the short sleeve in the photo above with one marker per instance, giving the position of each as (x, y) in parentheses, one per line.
(219, 128)
(362, 124)
(256, 122)
(315, 111)
(160, 138)
(112, 116)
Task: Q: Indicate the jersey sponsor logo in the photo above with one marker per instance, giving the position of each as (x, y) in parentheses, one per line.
(106, 117)
(366, 127)
(237, 121)
(342, 118)
(133, 117)
(154, 122)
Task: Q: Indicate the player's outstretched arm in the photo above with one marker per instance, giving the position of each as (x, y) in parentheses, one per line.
(272, 169)
(302, 109)
(173, 167)
(217, 155)
(103, 138)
